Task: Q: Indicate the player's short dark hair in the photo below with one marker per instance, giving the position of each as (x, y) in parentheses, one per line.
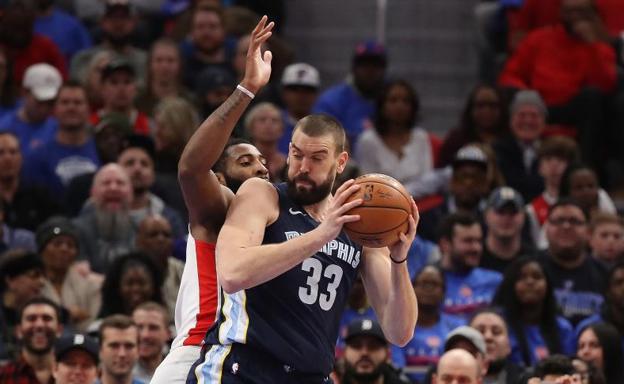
(219, 166)
(446, 229)
(117, 321)
(565, 202)
(554, 365)
(40, 300)
(320, 125)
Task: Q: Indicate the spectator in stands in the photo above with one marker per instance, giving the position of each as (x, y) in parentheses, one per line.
(105, 227)
(164, 76)
(352, 102)
(504, 218)
(366, 355)
(117, 24)
(526, 296)
(62, 28)
(119, 352)
(91, 79)
(553, 368)
(426, 346)
(471, 341)
(76, 359)
(300, 88)
(175, 121)
(65, 283)
(206, 46)
(264, 126)
(607, 239)
(132, 279)
(580, 183)
(39, 327)
(600, 345)
(553, 156)
(152, 321)
(357, 308)
(457, 366)
(468, 190)
(72, 151)
(578, 280)
(468, 287)
(516, 153)
(612, 310)
(397, 146)
(492, 325)
(119, 88)
(573, 93)
(155, 239)
(137, 160)
(213, 86)
(484, 119)
(32, 122)
(22, 280)
(24, 47)
(14, 238)
(7, 88)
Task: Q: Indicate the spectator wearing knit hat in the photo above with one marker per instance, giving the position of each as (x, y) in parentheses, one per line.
(66, 283)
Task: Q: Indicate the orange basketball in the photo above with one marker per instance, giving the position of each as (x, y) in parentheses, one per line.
(384, 213)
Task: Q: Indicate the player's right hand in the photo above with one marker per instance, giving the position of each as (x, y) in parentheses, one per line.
(258, 65)
(335, 217)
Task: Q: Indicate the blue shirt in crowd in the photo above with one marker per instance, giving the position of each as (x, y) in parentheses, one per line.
(347, 317)
(537, 345)
(65, 30)
(466, 293)
(31, 136)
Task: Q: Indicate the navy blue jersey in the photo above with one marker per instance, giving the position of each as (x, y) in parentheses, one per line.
(295, 316)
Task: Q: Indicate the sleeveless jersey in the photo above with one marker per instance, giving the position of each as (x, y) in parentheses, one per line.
(198, 297)
(294, 317)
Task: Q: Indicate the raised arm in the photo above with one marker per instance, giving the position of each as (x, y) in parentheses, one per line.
(205, 198)
(243, 262)
(389, 287)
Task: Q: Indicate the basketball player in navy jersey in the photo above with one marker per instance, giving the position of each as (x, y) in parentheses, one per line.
(286, 267)
(207, 195)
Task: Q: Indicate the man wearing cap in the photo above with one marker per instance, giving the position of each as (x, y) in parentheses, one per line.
(117, 24)
(516, 153)
(366, 355)
(76, 359)
(352, 102)
(468, 287)
(300, 87)
(504, 219)
(212, 86)
(470, 340)
(468, 188)
(119, 90)
(72, 151)
(65, 283)
(33, 123)
(39, 327)
(23, 206)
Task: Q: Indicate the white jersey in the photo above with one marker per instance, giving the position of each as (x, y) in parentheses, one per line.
(198, 297)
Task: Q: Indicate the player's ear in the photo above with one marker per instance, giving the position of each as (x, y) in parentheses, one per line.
(342, 160)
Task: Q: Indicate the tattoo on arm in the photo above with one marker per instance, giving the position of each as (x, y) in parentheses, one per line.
(231, 104)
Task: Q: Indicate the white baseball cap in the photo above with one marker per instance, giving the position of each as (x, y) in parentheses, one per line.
(301, 74)
(43, 81)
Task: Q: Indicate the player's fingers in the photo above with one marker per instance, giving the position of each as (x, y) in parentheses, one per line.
(348, 206)
(412, 227)
(415, 211)
(260, 25)
(347, 219)
(344, 186)
(341, 197)
(268, 56)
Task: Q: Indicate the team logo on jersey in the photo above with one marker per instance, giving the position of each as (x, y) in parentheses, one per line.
(294, 213)
(433, 341)
(235, 368)
(465, 291)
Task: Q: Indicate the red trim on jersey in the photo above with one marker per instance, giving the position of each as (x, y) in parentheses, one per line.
(208, 292)
(541, 208)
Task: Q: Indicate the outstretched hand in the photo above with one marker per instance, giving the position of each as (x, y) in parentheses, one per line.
(399, 250)
(336, 216)
(258, 65)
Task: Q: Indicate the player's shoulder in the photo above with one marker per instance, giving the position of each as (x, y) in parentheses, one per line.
(257, 191)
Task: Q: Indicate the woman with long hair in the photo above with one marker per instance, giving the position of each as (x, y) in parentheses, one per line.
(483, 120)
(600, 344)
(528, 302)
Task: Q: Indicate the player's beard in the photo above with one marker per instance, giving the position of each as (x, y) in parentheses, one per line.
(313, 195)
(232, 182)
(362, 378)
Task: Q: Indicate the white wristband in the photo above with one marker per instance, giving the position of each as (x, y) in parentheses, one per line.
(245, 91)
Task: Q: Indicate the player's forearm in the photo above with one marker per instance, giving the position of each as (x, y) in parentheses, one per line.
(247, 267)
(205, 146)
(401, 309)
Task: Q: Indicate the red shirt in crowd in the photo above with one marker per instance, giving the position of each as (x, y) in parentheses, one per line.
(19, 372)
(40, 50)
(138, 120)
(558, 65)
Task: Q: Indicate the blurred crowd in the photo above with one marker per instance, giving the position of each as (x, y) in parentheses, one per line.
(519, 258)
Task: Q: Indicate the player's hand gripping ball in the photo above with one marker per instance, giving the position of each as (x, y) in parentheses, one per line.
(384, 213)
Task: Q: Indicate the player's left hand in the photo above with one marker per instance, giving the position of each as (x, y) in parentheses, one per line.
(399, 250)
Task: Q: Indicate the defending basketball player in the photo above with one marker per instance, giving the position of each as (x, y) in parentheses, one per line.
(207, 201)
(286, 267)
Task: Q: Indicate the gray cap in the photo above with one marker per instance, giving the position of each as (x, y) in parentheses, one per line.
(505, 196)
(529, 97)
(467, 333)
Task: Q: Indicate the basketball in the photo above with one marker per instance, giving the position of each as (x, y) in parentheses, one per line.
(384, 213)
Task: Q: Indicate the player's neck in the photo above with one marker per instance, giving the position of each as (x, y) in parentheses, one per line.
(317, 211)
